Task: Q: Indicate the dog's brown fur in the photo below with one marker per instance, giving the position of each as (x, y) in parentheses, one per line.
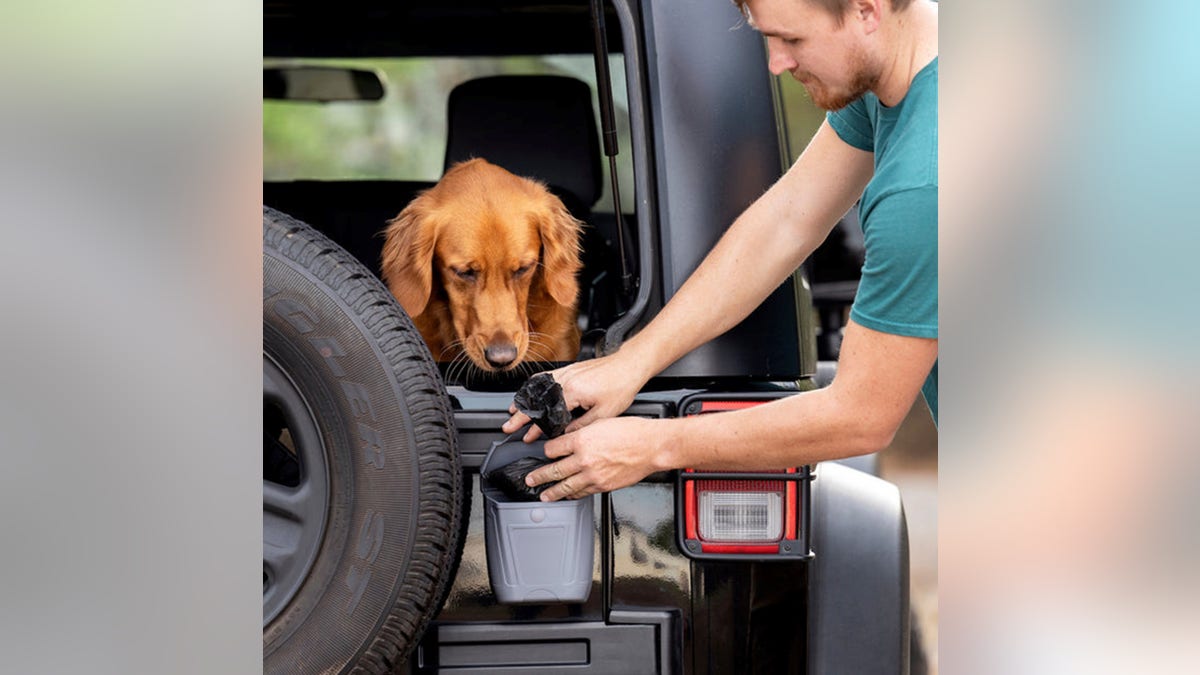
(485, 263)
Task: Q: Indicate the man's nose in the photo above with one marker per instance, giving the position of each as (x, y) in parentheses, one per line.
(778, 61)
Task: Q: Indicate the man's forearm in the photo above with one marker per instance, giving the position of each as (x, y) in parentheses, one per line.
(801, 429)
(879, 377)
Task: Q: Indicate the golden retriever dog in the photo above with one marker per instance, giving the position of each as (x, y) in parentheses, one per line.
(485, 264)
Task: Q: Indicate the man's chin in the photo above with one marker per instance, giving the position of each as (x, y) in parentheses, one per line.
(826, 101)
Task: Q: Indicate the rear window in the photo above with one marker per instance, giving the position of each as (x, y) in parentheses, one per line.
(403, 136)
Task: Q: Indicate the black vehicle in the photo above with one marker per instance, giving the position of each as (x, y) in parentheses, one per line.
(376, 552)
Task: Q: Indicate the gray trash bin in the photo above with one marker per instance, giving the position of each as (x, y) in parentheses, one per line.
(537, 552)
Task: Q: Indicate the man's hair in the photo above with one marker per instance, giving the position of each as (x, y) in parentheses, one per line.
(837, 8)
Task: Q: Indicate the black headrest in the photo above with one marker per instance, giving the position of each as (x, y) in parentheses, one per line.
(537, 126)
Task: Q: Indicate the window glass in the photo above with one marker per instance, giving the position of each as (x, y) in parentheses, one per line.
(403, 136)
(803, 117)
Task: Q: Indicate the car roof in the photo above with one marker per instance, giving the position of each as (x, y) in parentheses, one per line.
(379, 28)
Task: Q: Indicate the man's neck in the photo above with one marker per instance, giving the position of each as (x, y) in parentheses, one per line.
(915, 35)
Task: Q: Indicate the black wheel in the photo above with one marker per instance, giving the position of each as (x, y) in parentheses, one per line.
(362, 487)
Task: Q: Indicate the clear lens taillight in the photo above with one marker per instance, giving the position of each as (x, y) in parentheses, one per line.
(740, 511)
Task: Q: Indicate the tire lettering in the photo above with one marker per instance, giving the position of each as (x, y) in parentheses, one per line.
(330, 350)
(370, 543)
(372, 445)
(356, 581)
(360, 399)
(303, 319)
(370, 538)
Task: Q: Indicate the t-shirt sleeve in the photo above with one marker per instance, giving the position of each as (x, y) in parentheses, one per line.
(853, 125)
(898, 292)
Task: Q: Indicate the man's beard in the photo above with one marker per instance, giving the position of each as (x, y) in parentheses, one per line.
(865, 78)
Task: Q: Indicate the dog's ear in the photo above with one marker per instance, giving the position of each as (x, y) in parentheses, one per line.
(560, 232)
(407, 259)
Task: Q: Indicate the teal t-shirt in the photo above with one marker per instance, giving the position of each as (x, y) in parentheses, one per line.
(898, 292)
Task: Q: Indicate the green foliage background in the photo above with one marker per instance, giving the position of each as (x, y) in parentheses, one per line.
(403, 136)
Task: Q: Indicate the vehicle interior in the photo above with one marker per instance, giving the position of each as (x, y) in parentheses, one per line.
(424, 101)
(523, 97)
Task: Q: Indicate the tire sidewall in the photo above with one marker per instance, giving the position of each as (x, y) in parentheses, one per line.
(357, 402)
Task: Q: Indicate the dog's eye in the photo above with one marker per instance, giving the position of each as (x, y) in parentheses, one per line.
(466, 275)
(522, 271)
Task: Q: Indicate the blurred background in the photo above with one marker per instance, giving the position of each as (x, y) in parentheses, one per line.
(911, 463)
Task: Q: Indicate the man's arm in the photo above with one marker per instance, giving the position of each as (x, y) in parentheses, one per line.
(879, 377)
(762, 247)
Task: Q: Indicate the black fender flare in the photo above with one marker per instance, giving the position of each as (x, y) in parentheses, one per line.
(858, 591)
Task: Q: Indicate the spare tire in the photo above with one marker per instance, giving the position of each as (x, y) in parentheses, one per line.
(362, 488)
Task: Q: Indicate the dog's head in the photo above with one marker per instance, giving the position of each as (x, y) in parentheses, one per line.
(474, 253)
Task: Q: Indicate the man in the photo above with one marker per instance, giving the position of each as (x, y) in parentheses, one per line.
(873, 64)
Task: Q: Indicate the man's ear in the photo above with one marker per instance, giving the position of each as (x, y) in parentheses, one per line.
(560, 232)
(868, 13)
(407, 259)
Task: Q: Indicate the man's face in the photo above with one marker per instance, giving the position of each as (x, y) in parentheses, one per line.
(833, 62)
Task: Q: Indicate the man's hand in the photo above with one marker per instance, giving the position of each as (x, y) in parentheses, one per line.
(602, 457)
(603, 387)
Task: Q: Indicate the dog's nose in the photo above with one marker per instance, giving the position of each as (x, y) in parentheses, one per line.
(500, 355)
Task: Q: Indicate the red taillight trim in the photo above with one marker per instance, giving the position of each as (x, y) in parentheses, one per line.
(689, 496)
(691, 508)
(790, 506)
(739, 548)
(717, 406)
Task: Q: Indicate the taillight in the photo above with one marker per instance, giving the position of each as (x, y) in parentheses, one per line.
(740, 510)
(738, 514)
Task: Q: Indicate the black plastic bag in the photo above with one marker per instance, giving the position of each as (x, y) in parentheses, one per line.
(510, 478)
(541, 398)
